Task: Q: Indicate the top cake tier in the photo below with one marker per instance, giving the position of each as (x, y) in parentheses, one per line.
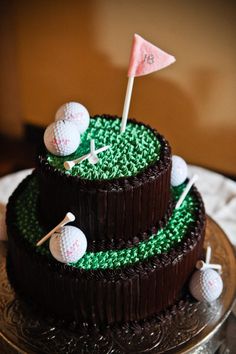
(118, 201)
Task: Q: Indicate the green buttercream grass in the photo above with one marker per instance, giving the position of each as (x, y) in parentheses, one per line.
(129, 152)
(28, 225)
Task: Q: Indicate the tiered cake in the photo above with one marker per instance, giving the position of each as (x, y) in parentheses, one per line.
(141, 251)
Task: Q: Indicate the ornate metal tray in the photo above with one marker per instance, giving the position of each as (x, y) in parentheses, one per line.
(192, 327)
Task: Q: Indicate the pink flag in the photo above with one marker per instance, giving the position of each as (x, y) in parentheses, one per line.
(146, 58)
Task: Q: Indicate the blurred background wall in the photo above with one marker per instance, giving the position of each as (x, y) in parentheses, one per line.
(58, 51)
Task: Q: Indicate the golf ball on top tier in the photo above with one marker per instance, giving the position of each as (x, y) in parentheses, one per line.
(74, 112)
(206, 285)
(179, 171)
(68, 245)
(61, 138)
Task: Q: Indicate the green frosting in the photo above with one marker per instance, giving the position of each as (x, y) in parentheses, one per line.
(27, 223)
(129, 153)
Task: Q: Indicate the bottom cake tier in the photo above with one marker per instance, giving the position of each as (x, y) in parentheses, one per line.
(104, 287)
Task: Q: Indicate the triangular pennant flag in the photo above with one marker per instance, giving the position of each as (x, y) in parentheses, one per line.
(146, 58)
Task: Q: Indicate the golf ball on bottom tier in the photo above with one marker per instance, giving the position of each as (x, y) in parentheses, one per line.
(179, 171)
(206, 285)
(61, 138)
(74, 112)
(68, 244)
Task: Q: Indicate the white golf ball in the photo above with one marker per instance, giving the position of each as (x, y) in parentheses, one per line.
(74, 112)
(206, 285)
(61, 138)
(179, 171)
(68, 245)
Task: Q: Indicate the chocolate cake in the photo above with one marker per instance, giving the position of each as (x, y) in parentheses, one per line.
(141, 250)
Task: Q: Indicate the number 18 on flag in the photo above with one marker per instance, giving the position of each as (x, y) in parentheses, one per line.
(144, 59)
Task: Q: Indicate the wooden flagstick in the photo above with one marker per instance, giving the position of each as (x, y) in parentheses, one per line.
(127, 103)
(186, 190)
(68, 218)
(69, 164)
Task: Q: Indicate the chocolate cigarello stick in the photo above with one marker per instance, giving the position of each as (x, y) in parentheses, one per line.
(69, 164)
(68, 218)
(202, 265)
(186, 190)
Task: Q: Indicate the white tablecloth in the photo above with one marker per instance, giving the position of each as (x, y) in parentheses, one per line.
(218, 192)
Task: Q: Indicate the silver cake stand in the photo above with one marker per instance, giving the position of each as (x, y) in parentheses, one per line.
(192, 327)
